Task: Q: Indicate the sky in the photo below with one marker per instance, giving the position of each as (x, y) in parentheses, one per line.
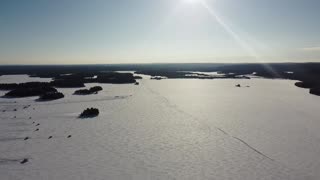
(158, 31)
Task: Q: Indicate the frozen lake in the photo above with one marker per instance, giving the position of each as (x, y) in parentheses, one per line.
(168, 129)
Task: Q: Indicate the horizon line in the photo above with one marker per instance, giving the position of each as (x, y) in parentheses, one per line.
(162, 63)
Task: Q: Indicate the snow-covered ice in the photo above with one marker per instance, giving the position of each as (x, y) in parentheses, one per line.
(168, 129)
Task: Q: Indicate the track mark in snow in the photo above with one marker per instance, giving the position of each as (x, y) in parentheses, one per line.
(6, 160)
(257, 151)
(10, 139)
(195, 118)
(224, 132)
(110, 98)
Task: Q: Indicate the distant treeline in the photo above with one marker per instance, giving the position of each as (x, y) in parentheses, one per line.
(301, 71)
(69, 76)
(47, 91)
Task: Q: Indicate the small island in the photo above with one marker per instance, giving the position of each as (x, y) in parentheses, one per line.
(28, 92)
(304, 84)
(68, 83)
(93, 90)
(89, 113)
(51, 96)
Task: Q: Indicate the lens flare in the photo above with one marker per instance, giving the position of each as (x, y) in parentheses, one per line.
(249, 49)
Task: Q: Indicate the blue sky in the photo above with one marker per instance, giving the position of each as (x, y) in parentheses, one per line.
(148, 31)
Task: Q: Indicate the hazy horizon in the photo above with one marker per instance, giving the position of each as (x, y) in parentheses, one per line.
(161, 63)
(166, 31)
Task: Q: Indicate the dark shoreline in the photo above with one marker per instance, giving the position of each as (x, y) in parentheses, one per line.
(308, 74)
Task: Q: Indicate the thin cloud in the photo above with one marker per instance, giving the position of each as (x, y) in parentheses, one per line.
(311, 49)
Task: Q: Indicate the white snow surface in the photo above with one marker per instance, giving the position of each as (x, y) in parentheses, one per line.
(168, 129)
(21, 79)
